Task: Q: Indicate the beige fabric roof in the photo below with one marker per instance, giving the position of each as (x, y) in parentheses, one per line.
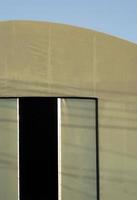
(38, 58)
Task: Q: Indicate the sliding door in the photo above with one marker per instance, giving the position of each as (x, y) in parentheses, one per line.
(78, 149)
(48, 149)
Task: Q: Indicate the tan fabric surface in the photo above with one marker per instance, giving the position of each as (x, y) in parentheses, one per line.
(78, 149)
(8, 150)
(45, 59)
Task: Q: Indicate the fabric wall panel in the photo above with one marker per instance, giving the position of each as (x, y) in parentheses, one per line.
(78, 149)
(8, 149)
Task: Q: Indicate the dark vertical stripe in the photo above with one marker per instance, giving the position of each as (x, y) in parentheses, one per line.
(38, 148)
(97, 154)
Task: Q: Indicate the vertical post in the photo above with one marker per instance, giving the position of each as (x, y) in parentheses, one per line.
(18, 157)
(97, 153)
(59, 148)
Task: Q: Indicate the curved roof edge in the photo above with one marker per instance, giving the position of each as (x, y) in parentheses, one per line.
(72, 26)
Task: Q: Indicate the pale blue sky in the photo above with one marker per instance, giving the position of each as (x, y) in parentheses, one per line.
(115, 17)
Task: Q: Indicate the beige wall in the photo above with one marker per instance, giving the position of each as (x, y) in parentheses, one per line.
(45, 59)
